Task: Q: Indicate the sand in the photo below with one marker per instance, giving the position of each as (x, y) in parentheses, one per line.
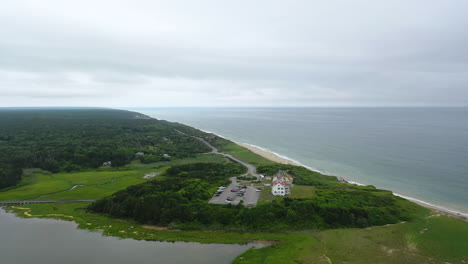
(276, 158)
(268, 155)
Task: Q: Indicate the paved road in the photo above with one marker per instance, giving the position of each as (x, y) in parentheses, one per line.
(45, 201)
(251, 170)
(250, 197)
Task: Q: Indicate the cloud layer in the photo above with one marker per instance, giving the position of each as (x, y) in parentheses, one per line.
(236, 53)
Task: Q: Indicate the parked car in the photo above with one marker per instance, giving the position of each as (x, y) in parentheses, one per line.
(258, 190)
(233, 190)
(229, 199)
(217, 194)
(240, 194)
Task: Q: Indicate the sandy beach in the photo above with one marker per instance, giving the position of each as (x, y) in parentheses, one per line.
(268, 155)
(276, 158)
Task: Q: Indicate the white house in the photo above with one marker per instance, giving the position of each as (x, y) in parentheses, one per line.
(280, 185)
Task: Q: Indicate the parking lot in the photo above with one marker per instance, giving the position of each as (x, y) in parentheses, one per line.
(250, 196)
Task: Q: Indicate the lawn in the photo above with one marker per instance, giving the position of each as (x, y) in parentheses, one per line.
(296, 192)
(302, 192)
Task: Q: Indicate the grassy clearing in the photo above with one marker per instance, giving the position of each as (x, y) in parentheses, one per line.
(431, 240)
(296, 192)
(43, 184)
(298, 248)
(302, 192)
(440, 237)
(96, 183)
(209, 158)
(267, 197)
(245, 155)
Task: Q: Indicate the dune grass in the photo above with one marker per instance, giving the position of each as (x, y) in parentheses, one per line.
(245, 155)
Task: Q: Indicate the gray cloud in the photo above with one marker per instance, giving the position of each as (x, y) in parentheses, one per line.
(162, 53)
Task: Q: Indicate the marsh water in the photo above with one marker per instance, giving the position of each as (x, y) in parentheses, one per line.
(36, 241)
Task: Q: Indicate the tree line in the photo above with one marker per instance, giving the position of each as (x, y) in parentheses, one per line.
(59, 140)
(181, 201)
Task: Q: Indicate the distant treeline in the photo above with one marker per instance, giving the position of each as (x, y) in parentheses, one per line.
(181, 200)
(74, 139)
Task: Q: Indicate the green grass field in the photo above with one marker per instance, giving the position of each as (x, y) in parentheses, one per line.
(436, 239)
(426, 239)
(296, 192)
(94, 184)
(246, 155)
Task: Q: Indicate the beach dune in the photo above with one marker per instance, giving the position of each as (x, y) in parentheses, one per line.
(276, 158)
(268, 155)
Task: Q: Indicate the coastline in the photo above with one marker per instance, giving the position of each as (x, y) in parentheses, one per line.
(275, 157)
(269, 155)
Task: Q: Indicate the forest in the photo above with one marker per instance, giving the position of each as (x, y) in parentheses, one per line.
(181, 202)
(63, 140)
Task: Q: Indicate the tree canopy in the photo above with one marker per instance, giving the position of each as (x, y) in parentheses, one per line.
(73, 139)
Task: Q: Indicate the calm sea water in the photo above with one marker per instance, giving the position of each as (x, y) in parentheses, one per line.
(33, 241)
(417, 152)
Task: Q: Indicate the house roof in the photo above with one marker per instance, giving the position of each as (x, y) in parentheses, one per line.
(279, 179)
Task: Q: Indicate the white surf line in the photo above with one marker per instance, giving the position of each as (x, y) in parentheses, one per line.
(421, 202)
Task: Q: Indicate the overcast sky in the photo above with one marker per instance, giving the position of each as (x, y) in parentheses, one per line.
(234, 53)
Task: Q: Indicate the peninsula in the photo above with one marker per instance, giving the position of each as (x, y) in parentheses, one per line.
(128, 175)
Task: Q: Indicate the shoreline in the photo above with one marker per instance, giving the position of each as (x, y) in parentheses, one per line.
(275, 157)
(269, 155)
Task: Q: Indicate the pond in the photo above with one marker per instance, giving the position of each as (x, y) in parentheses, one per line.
(28, 241)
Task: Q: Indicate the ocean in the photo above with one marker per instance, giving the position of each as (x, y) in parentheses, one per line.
(420, 153)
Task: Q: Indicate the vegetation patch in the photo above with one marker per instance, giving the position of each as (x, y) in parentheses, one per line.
(322, 221)
(181, 201)
(77, 139)
(302, 176)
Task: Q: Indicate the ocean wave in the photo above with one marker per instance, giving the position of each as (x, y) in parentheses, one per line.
(435, 207)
